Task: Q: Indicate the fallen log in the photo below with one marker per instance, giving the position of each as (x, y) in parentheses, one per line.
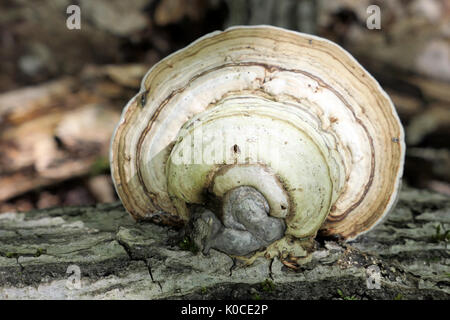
(99, 252)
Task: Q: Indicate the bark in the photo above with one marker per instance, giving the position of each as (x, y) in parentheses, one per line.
(121, 259)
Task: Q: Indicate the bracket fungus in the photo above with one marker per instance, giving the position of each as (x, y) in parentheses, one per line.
(259, 138)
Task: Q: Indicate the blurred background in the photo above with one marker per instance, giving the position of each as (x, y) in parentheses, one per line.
(62, 91)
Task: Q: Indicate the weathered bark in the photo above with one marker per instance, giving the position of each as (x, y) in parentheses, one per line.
(119, 258)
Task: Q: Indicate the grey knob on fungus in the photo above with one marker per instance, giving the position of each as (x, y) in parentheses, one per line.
(283, 130)
(244, 226)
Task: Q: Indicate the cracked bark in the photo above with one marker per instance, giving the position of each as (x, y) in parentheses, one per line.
(120, 259)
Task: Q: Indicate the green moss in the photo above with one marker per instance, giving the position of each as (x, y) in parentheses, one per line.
(399, 296)
(433, 259)
(100, 165)
(12, 255)
(267, 285)
(256, 296)
(439, 236)
(341, 294)
(188, 245)
(203, 290)
(40, 251)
